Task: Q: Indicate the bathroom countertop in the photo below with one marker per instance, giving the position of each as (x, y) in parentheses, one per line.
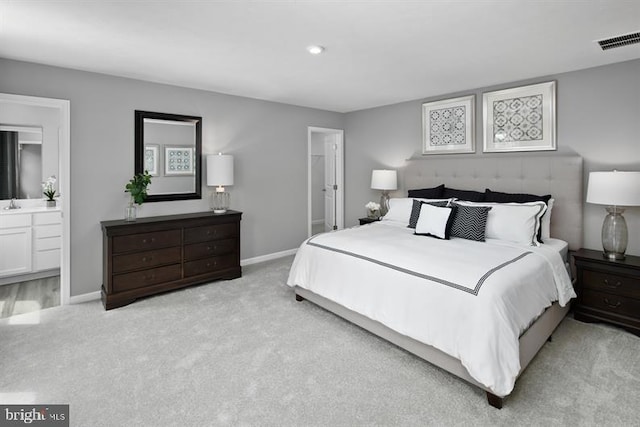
(28, 209)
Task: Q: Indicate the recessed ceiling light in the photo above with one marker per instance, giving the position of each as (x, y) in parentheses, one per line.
(315, 49)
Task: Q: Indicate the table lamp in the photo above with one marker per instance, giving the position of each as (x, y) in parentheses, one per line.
(219, 174)
(385, 180)
(614, 189)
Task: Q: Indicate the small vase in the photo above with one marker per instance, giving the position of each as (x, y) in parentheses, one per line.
(373, 213)
(51, 203)
(130, 212)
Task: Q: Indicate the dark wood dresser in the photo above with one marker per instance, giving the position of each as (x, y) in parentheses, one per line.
(158, 254)
(608, 291)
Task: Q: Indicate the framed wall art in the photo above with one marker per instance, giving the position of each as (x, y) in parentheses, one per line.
(151, 152)
(448, 126)
(520, 119)
(178, 161)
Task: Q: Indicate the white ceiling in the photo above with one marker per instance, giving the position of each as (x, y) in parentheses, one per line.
(377, 52)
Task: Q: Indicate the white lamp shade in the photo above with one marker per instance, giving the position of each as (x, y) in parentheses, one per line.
(614, 188)
(219, 169)
(384, 180)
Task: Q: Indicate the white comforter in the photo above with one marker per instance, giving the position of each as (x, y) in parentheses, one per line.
(471, 300)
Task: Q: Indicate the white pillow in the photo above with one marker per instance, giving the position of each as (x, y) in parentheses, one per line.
(400, 209)
(513, 222)
(546, 221)
(433, 221)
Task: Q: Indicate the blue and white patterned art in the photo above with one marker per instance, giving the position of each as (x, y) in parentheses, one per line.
(520, 119)
(517, 119)
(178, 161)
(447, 126)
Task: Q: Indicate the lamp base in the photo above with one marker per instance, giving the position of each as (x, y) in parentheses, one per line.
(384, 203)
(614, 234)
(220, 201)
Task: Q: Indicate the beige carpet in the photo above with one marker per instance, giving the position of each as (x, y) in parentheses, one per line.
(244, 352)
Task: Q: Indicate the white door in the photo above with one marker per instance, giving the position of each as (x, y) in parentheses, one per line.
(330, 184)
(328, 144)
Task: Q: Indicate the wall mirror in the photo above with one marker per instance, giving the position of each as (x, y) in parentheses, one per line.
(169, 147)
(20, 162)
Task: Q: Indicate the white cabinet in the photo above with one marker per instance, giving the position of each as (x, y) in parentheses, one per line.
(29, 242)
(15, 244)
(47, 234)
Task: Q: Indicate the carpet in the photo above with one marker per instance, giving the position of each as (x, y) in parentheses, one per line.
(244, 352)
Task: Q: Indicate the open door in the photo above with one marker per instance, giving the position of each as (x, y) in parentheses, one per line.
(326, 176)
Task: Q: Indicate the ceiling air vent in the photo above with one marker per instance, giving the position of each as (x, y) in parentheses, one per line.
(619, 41)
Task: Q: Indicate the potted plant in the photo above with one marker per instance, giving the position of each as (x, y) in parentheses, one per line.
(137, 188)
(49, 191)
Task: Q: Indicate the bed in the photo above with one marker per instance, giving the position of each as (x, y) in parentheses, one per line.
(483, 309)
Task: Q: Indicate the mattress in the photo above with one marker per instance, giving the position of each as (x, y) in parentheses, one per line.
(471, 300)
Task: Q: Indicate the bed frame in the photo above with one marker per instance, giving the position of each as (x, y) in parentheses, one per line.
(556, 174)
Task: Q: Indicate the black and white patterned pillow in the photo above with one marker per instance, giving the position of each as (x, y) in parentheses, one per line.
(470, 222)
(415, 210)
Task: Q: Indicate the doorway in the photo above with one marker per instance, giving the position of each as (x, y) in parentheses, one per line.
(53, 117)
(325, 180)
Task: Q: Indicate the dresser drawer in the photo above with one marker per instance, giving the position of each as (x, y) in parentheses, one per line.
(47, 218)
(45, 260)
(611, 283)
(210, 232)
(144, 278)
(146, 241)
(208, 249)
(209, 265)
(44, 231)
(611, 303)
(146, 259)
(47, 243)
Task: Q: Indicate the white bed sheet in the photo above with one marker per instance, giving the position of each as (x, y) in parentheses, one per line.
(471, 300)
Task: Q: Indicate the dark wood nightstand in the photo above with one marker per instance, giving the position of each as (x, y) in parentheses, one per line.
(367, 220)
(608, 291)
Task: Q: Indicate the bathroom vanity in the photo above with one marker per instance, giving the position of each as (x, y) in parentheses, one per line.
(30, 240)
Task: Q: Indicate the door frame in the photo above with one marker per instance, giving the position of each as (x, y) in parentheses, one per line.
(339, 196)
(64, 168)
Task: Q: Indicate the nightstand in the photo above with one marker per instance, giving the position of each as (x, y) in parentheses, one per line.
(367, 220)
(608, 291)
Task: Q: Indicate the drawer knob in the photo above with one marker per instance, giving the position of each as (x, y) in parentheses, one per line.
(616, 305)
(616, 285)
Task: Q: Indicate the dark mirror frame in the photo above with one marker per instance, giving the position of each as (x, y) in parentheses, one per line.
(139, 152)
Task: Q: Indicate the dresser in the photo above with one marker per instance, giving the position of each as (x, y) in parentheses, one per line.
(158, 254)
(608, 291)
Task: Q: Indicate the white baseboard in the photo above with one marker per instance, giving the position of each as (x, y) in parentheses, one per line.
(268, 257)
(317, 221)
(92, 296)
(79, 299)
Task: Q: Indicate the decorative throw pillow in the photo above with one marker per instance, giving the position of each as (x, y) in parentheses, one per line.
(415, 210)
(500, 197)
(470, 222)
(427, 193)
(468, 195)
(434, 221)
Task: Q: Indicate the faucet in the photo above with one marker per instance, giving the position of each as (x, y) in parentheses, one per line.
(13, 205)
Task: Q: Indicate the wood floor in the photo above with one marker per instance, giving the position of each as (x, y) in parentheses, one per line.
(32, 295)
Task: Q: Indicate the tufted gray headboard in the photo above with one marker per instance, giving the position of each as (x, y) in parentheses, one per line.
(558, 175)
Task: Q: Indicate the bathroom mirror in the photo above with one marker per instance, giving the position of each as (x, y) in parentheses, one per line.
(20, 162)
(169, 147)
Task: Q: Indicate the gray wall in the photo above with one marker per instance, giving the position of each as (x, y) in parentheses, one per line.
(268, 140)
(598, 117)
